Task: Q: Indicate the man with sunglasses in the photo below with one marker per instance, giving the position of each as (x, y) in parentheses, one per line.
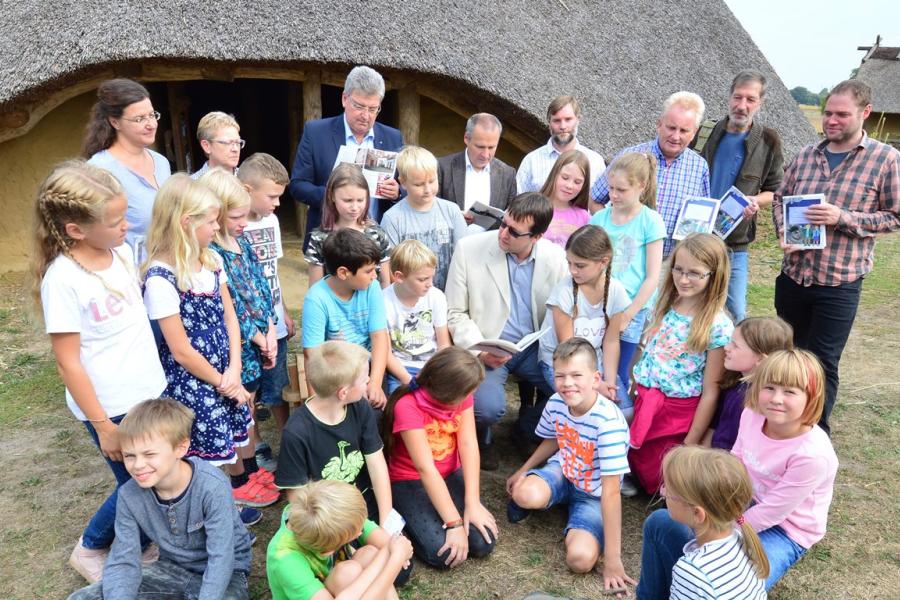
(497, 287)
(355, 127)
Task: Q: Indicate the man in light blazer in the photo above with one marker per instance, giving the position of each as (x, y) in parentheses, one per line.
(497, 287)
(356, 127)
(474, 175)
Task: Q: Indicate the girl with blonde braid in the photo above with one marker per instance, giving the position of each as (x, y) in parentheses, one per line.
(99, 331)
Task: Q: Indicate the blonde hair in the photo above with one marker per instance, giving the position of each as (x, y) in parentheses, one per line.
(164, 417)
(416, 158)
(167, 241)
(231, 194)
(326, 514)
(410, 256)
(688, 101)
(565, 159)
(791, 368)
(717, 482)
(260, 166)
(335, 364)
(73, 192)
(709, 250)
(214, 121)
(639, 168)
(763, 335)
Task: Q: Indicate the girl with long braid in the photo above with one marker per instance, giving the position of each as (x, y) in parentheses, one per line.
(98, 326)
(587, 303)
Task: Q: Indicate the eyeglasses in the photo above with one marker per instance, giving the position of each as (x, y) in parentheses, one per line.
(372, 110)
(513, 232)
(141, 119)
(678, 273)
(231, 143)
(669, 496)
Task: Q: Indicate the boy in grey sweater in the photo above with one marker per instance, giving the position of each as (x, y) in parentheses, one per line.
(183, 505)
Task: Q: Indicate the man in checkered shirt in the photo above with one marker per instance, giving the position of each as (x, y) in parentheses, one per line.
(681, 173)
(818, 291)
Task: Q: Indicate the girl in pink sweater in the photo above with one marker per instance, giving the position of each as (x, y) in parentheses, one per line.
(791, 463)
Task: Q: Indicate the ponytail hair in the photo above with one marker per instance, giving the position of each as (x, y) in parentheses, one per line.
(591, 242)
(717, 482)
(113, 97)
(450, 375)
(638, 168)
(73, 192)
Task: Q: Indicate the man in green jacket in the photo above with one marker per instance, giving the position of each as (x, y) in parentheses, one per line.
(747, 155)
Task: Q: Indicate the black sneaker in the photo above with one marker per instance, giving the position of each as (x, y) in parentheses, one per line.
(489, 460)
(515, 513)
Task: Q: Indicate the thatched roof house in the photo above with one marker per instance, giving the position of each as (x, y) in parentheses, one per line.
(880, 69)
(442, 61)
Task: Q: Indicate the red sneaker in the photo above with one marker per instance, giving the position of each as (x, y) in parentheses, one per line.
(267, 478)
(255, 494)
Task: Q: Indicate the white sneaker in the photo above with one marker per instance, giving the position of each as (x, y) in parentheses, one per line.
(89, 563)
(628, 488)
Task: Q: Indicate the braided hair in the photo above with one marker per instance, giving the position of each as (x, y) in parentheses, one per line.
(73, 192)
(591, 242)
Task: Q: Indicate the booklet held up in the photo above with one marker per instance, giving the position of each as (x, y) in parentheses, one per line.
(798, 231)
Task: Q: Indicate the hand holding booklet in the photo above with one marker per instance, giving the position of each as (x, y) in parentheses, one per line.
(507, 349)
(377, 165)
(697, 216)
(731, 212)
(798, 231)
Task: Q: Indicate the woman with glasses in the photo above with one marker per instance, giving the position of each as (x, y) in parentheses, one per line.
(121, 129)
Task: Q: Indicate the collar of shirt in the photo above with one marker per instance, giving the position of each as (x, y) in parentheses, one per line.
(471, 168)
(551, 151)
(864, 142)
(660, 157)
(351, 139)
(514, 262)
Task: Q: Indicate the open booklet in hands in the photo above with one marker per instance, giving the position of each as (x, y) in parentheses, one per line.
(507, 349)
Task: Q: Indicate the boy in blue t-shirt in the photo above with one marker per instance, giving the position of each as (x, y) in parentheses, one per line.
(347, 304)
(585, 448)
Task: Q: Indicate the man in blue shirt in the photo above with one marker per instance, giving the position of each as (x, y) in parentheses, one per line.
(356, 127)
(743, 153)
(681, 172)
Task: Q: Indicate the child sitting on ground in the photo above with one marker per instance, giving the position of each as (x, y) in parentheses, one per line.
(348, 304)
(333, 435)
(322, 520)
(416, 312)
(422, 216)
(184, 505)
(585, 443)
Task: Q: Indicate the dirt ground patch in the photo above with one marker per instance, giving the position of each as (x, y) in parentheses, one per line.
(52, 478)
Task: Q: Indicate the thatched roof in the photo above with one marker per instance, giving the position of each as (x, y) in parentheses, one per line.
(881, 71)
(619, 57)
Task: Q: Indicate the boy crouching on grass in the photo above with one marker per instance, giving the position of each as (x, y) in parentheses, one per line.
(585, 445)
(310, 557)
(184, 505)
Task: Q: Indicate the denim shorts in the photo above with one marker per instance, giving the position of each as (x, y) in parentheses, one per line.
(584, 509)
(635, 328)
(274, 380)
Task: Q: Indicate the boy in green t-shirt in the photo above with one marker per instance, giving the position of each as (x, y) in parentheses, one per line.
(324, 517)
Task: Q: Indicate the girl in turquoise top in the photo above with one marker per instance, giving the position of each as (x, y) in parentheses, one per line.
(637, 232)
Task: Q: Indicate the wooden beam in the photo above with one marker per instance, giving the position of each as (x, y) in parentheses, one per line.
(312, 97)
(410, 113)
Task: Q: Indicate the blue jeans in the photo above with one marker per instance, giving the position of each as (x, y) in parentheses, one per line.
(100, 530)
(737, 285)
(165, 580)
(584, 509)
(664, 540)
(490, 397)
(628, 343)
(274, 380)
(392, 383)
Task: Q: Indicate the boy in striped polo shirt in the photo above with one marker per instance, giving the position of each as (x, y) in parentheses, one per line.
(585, 446)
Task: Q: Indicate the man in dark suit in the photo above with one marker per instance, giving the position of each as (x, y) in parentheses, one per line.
(318, 149)
(474, 175)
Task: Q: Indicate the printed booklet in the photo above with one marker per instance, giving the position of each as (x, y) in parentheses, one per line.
(377, 165)
(504, 348)
(697, 216)
(798, 231)
(486, 216)
(731, 212)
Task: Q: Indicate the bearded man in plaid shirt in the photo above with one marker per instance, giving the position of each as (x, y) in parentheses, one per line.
(818, 291)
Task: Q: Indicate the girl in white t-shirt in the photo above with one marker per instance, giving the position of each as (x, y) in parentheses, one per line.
(98, 327)
(587, 303)
(186, 293)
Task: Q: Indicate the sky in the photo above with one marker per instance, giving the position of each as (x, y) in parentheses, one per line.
(813, 43)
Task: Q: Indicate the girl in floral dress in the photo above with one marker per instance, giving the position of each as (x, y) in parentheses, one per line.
(200, 351)
(677, 376)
